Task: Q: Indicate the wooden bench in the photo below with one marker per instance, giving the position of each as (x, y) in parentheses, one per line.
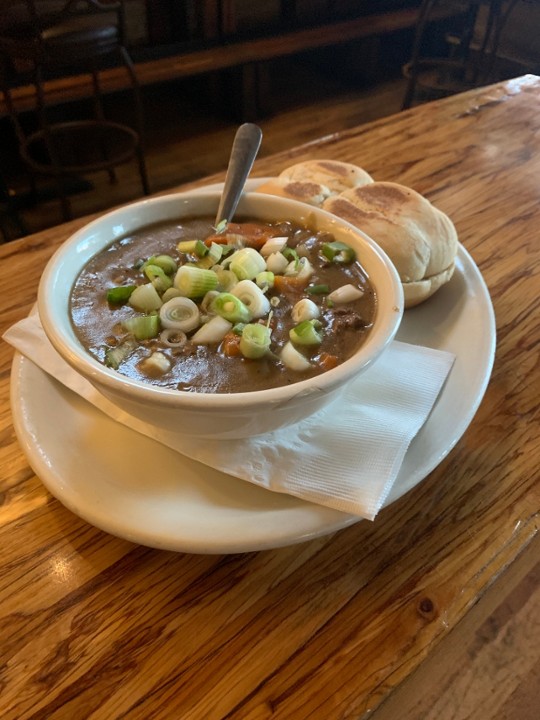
(243, 53)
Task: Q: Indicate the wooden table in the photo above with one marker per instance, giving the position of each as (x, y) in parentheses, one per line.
(96, 627)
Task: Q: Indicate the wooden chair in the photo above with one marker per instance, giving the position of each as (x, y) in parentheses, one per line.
(470, 45)
(41, 40)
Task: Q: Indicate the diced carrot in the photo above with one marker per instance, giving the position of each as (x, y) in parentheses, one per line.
(255, 235)
(230, 345)
(328, 361)
(219, 239)
(256, 241)
(290, 284)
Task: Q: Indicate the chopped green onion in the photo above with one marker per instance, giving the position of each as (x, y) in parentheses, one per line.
(165, 262)
(145, 298)
(221, 226)
(206, 263)
(273, 245)
(247, 263)
(212, 332)
(231, 308)
(276, 263)
(305, 309)
(200, 249)
(180, 313)
(290, 254)
(212, 256)
(255, 341)
(206, 302)
(157, 277)
(318, 289)
(142, 327)
(265, 280)
(238, 328)
(293, 359)
(195, 282)
(253, 298)
(338, 252)
(306, 333)
(170, 293)
(215, 252)
(114, 356)
(345, 294)
(187, 246)
(226, 280)
(120, 294)
(300, 268)
(173, 338)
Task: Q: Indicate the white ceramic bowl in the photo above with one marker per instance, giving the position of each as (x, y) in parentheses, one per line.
(202, 414)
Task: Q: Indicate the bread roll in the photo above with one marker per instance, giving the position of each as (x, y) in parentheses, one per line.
(415, 293)
(336, 175)
(420, 240)
(307, 192)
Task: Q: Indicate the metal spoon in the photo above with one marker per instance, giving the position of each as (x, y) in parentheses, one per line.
(243, 153)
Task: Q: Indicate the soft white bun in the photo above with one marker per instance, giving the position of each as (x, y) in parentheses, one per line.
(307, 192)
(336, 175)
(415, 293)
(420, 240)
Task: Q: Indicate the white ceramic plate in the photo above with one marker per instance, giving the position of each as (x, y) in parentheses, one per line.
(137, 489)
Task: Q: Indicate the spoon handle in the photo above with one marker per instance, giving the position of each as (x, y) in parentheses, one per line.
(243, 153)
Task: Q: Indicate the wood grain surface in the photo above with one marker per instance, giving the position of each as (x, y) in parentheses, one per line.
(92, 626)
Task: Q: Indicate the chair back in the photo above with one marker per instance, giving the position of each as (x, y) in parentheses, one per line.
(60, 32)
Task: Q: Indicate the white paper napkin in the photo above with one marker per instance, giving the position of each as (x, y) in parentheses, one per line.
(347, 456)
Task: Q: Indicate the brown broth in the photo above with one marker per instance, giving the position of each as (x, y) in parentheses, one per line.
(204, 368)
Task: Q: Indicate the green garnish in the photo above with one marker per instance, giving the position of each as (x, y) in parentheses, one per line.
(338, 252)
(158, 278)
(165, 262)
(212, 256)
(231, 308)
(255, 341)
(290, 254)
(318, 289)
(142, 327)
(145, 298)
(306, 333)
(114, 356)
(221, 226)
(120, 294)
(215, 252)
(187, 246)
(226, 250)
(265, 280)
(200, 249)
(247, 263)
(194, 282)
(238, 329)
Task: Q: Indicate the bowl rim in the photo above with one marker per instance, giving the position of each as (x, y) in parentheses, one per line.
(80, 359)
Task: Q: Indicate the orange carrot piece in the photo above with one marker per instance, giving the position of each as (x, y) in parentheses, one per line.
(220, 239)
(230, 345)
(328, 361)
(255, 235)
(290, 284)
